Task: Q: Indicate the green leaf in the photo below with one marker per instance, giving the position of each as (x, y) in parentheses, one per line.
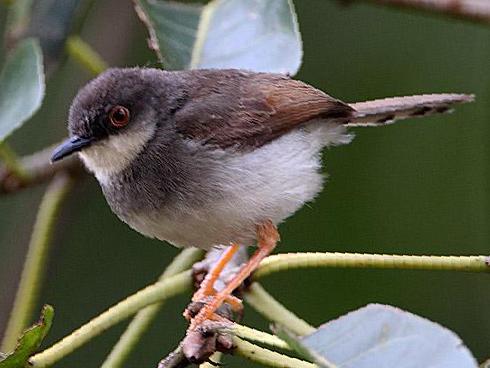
(22, 81)
(30, 341)
(382, 336)
(256, 35)
(49, 21)
(173, 29)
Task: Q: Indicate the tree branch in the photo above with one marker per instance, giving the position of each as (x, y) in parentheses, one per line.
(11, 161)
(469, 10)
(256, 296)
(38, 169)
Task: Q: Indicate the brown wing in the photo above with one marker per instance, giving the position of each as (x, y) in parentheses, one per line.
(232, 108)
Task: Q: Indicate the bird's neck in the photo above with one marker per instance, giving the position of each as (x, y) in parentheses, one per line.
(109, 158)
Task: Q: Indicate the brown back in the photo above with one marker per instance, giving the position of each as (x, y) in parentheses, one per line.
(232, 108)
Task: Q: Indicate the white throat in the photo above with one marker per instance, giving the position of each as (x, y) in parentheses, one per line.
(111, 156)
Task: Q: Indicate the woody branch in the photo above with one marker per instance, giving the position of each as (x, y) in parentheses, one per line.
(470, 10)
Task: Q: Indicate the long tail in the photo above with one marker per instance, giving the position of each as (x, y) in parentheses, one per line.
(389, 110)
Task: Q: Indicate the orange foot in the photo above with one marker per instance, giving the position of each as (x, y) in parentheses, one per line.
(267, 238)
(206, 290)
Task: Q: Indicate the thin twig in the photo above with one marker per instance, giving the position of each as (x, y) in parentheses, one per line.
(38, 169)
(12, 162)
(485, 364)
(214, 361)
(268, 357)
(34, 266)
(85, 55)
(274, 311)
(157, 292)
(262, 337)
(144, 318)
(469, 10)
(257, 297)
(175, 359)
(282, 262)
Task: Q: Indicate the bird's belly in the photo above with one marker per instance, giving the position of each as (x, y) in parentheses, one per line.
(234, 217)
(271, 182)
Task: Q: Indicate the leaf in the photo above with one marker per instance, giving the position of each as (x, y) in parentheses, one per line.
(256, 35)
(382, 336)
(297, 345)
(50, 21)
(22, 81)
(30, 341)
(173, 29)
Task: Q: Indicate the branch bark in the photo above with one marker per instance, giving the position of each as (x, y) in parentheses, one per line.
(469, 10)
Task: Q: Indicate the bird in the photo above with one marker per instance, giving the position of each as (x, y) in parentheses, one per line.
(213, 157)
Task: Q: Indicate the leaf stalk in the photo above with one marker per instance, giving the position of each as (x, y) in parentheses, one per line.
(268, 357)
(146, 316)
(289, 261)
(85, 55)
(12, 162)
(157, 292)
(35, 263)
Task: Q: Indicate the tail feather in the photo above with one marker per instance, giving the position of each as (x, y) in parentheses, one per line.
(388, 110)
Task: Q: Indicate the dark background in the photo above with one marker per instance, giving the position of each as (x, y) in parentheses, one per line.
(417, 187)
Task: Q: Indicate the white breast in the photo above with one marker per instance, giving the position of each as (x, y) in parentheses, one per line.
(271, 182)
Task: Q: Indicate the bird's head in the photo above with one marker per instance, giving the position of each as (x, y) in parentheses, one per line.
(112, 119)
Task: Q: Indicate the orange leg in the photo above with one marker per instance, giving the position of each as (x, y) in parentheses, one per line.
(267, 239)
(206, 289)
(207, 285)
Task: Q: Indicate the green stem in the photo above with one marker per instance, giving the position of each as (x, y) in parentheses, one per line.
(265, 338)
(34, 270)
(145, 317)
(485, 364)
(157, 292)
(257, 297)
(12, 162)
(85, 55)
(215, 358)
(274, 311)
(268, 357)
(282, 262)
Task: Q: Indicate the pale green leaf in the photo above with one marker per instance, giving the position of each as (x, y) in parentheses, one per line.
(255, 35)
(173, 29)
(21, 86)
(385, 337)
(29, 342)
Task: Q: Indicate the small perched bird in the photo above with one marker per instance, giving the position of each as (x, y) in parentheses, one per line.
(205, 158)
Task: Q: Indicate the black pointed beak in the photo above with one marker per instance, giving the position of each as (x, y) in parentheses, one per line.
(71, 145)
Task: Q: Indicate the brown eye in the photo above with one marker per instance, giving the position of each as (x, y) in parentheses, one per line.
(119, 116)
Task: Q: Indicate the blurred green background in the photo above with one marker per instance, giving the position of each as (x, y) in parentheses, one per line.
(417, 187)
